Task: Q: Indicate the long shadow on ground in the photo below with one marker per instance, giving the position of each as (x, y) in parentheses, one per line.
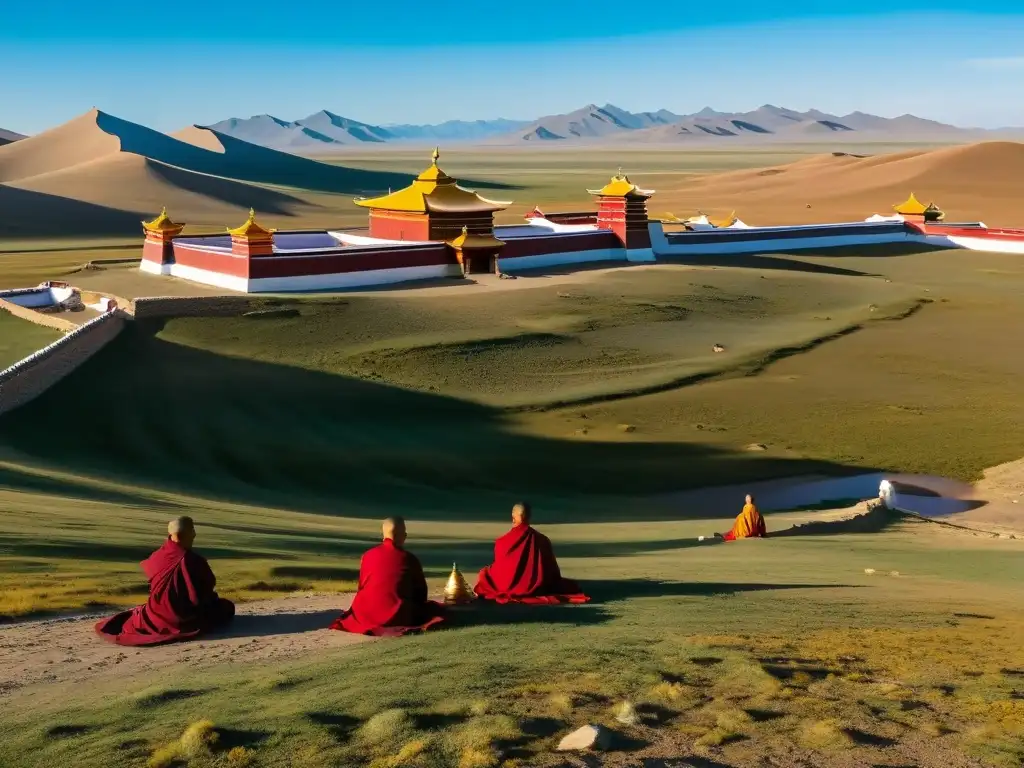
(246, 625)
(614, 590)
(153, 413)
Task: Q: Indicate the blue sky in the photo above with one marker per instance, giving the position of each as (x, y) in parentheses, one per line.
(168, 65)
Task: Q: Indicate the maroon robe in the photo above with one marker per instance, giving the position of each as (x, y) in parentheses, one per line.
(392, 595)
(182, 602)
(525, 571)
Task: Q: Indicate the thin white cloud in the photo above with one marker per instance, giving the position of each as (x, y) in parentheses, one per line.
(999, 63)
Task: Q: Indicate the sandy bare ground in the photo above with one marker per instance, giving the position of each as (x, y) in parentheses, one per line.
(65, 650)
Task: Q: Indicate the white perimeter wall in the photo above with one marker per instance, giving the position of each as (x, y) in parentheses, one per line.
(986, 244)
(662, 247)
(304, 282)
(44, 297)
(561, 259)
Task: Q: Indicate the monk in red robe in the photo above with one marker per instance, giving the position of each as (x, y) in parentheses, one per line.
(749, 523)
(392, 595)
(182, 602)
(525, 569)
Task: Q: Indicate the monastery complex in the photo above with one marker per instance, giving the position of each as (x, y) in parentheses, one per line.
(436, 228)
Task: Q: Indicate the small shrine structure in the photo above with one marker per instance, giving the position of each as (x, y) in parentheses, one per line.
(914, 210)
(622, 208)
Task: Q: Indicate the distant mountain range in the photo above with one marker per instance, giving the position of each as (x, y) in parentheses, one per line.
(766, 122)
(325, 130)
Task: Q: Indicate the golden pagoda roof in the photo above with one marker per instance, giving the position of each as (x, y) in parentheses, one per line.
(621, 186)
(469, 240)
(728, 221)
(911, 207)
(434, 191)
(163, 224)
(251, 229)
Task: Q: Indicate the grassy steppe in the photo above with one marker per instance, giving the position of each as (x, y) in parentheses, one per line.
(20, 338)
(289, 435)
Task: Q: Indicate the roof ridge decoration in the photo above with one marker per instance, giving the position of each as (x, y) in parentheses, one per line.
(162, 224)
(434, 191)
(621, 186)
(251, 229)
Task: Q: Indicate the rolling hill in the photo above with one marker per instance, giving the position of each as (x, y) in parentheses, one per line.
(970, 182)
(101, 168)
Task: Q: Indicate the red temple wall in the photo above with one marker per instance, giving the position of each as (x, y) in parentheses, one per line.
(538, 246)
(350, 261)
(449, 226)
(395, 225)
(223, 262)
(157, 252)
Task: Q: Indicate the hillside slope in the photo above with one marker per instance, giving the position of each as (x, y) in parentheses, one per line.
(202, 176)
(970, 182)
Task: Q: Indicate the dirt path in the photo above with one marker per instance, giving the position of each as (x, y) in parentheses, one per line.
(66, 650)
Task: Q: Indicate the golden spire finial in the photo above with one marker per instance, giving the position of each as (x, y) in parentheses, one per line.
(465, 229)
(435, 156)
(252, 214)
(163, 223)
(457, 590)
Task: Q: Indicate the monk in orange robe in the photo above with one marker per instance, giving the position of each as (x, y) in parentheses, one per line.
(525, 569)
(182, 602)
(392, 595)
(749, 524)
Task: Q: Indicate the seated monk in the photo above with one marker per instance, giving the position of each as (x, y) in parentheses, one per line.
(749, 524)
(182, 603)
(392, 595)
(525, 569)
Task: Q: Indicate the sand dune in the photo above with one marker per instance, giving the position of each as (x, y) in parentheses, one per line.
(24, 213)
(976, 181)
(76, 141)
(134, 183)
(97, 134)
(202, 176)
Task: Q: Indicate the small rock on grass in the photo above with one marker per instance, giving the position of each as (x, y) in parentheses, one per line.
(587, 737)
(756, 447)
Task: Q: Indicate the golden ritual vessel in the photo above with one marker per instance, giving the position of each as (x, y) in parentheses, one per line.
(457, 591)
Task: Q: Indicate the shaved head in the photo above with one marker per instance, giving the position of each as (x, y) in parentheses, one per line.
(521, 513)
(393, 528)
(182, 530)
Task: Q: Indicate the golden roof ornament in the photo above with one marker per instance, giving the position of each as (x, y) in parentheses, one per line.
(163, 224)
(433, 191)
(457, 591)
(621, 186)
(251, 229)
(911, 207)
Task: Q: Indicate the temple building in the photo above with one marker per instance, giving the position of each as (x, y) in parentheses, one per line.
(433, 207)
